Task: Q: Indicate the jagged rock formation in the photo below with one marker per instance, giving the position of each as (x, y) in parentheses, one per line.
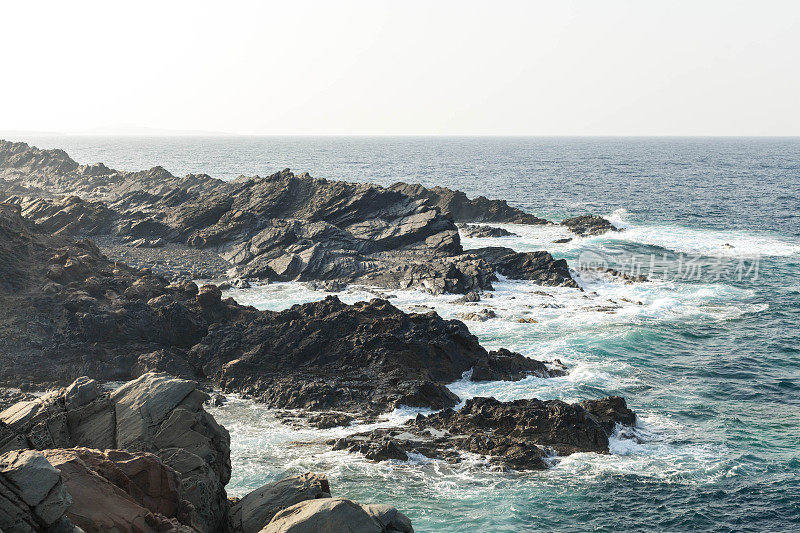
(66, 311)
(30, 171)
(475, 231)
(156, 462)
(155, 413)
(539, 267)
(519, 434)
(282, 227)
(588, 225)
(456, 206)
(364, 357)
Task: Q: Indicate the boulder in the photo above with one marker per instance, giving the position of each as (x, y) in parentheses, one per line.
(470, 297)
(164, 415)
(481, 316)
(256, 509)
(335, 515)
(32, 495)
(539, 267)
(588, 225)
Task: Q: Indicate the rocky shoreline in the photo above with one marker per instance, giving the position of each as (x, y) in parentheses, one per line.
(123, 307)
(283, 227)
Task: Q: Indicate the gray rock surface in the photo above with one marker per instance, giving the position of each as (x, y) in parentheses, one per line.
(475, 231)
(456, 205)
(336, 515)
(32, 495)
(283, 227)
(256, 509)
(155, 413)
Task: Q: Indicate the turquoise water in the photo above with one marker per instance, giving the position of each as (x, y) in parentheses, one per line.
(710, 360)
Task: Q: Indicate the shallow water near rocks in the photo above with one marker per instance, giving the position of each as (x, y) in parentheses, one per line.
(710, 363)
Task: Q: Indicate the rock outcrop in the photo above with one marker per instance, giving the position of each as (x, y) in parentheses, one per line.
(588, 225)
(155, 413)
(283, 227)
(116, 490)
(32, 495)
(520, 434)
(145, 457)
(256, 509)
(67, 311)
(475, 231)
(367, 357)
(539, 267)
(334, 515)
(456, 206)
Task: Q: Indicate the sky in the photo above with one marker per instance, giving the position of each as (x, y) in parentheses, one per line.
(376, 67)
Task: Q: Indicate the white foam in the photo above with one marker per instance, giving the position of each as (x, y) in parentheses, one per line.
(677, 239)
(568, 325)
(710, 242)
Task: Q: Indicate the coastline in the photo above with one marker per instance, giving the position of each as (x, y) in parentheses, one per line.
(507, 314)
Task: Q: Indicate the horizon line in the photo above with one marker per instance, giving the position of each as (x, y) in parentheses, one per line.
(17, 133)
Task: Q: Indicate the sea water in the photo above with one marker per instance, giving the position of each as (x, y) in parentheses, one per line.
(707, 353)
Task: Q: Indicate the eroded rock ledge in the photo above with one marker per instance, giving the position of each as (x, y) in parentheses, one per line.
(521, 434)
(157, 414)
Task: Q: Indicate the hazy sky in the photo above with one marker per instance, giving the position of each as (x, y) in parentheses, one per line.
(404, 67)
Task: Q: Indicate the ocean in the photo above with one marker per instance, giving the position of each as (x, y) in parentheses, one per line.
(707, 353)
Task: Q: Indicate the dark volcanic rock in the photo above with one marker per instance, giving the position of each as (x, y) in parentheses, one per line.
(456, 205)
(587, 225)
(539, 267)
(67, 311)
(475, 231)
(329, 355)
(284, 227)
(519, 434)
